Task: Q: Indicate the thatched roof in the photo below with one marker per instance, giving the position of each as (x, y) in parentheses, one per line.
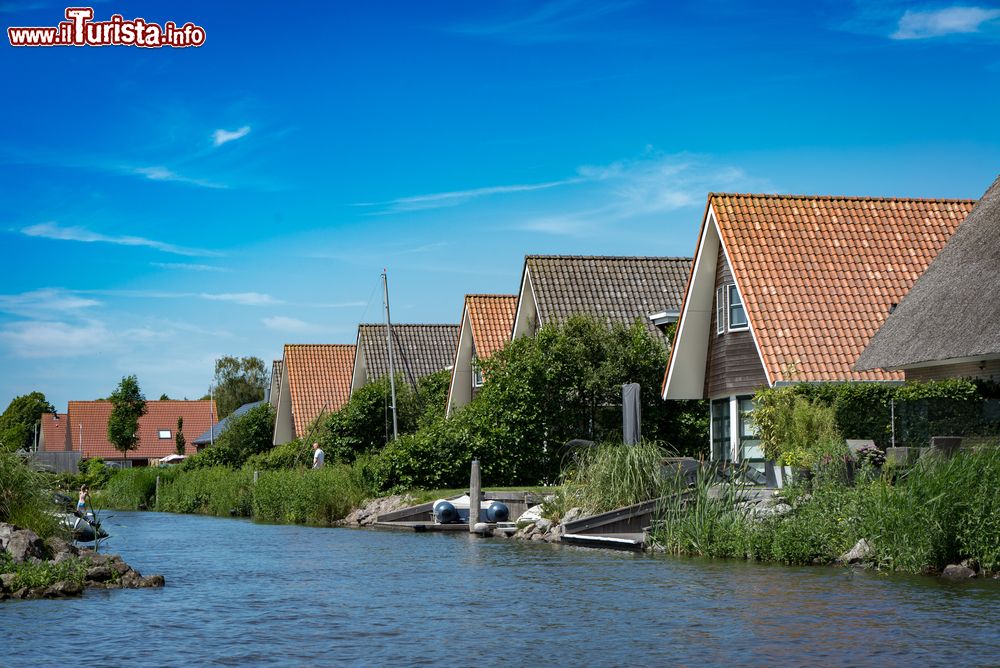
(953, 310)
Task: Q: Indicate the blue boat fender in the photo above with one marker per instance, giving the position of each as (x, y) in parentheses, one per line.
(497, 512)
(444, 512)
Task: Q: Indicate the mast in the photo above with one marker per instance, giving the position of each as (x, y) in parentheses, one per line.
(392, 371)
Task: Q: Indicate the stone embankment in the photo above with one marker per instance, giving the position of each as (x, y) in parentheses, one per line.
(367, 514)
(56, 568)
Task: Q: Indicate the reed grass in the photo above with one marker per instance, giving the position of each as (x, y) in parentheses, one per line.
(612, 475)
(25, 497)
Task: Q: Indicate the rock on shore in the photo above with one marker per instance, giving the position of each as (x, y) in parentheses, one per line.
(100, 571)
(367, 514)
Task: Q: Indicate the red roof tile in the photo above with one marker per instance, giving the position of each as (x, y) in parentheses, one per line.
(88, 425)
(319, 378)
(819, 274)
(491, 318)
(54, 432)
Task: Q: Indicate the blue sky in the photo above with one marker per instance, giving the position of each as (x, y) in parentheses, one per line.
(159, 207)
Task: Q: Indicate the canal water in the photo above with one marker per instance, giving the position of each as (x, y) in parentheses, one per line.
(241, 594)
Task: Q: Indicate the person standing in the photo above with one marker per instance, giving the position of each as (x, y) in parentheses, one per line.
(81, 506)
(318, 456)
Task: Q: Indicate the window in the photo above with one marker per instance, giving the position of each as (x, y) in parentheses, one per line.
(737, 315)
(750, 450)
(720, 310)
(164, 433)
(720, 431)
(477, 373)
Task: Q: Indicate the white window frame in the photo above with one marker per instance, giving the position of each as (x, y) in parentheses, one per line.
(164, 431)
(477, 373)
(720, 310)
(730, 289)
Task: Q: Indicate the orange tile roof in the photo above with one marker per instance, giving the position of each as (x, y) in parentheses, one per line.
(88, 422)
(491, 318)
(54, 432)
(819, 274)
(319, 377)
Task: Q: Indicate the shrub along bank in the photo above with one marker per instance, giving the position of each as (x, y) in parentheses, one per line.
(940, 512)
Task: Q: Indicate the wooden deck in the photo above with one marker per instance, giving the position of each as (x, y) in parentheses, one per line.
(422, 526)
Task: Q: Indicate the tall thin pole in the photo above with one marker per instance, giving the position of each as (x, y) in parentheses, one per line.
(211, 415)
(392, 371)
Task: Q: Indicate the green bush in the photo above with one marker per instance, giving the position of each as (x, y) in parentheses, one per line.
(864, 410)
(45, 573)
(294, 454)
(795, 430)
(245, 436)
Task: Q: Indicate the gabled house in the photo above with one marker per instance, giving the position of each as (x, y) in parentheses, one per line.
(615, 289)
(418, 351)
(274, 388)
(209, 436)
(315, 380)
(788, 289)
(485, 328)
(947, 324)
(84, 429)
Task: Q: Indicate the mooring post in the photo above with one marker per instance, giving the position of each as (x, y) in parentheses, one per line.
(157, 491)
(256, 474)
(474, 496)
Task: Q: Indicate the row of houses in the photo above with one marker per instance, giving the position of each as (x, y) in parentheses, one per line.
(314, 379)
(781, 289)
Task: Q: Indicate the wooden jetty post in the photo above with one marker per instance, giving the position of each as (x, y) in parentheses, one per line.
(475, 496)
(157, 493)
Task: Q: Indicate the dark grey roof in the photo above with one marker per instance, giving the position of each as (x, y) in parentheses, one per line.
(952, 310)
(418, 350)
(222, 424)
(618, 289)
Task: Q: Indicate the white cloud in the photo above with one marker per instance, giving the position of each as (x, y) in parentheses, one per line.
(284, 324)
(82, 234)
(220, 136)
(244, 298)
(454, 198)
(40, 338)
(45, 302)
(925, 24)
(188, 267)
(164, 174)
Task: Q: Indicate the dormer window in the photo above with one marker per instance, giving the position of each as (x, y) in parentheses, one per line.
(730, 316)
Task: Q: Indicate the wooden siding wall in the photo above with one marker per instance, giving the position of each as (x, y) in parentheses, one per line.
(733, 365)
(990, 371)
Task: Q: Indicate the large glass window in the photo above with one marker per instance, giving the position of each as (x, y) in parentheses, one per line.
(720, 431)
(750, 450)
(737, 315)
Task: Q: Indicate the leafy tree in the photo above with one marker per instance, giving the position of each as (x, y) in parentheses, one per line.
(540, 392)
(238, 381)
(246, 435)
(179, 439)
(128, 406)
(18, 421)
(164, 397)
(365, 423)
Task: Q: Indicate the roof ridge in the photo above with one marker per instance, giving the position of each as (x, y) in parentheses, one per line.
(408, 324)
(302, 345)
(495, 296)
(611, 257)
(852, 198)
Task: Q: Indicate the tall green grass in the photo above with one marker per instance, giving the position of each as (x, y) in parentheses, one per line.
(209, 491)
(941, 511)
(308, 497)
(134, 488)
(612, 475)
(25, 497)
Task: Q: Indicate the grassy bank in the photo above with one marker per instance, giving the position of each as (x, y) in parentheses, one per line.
(299, 496)
(941, 511)
(26, 499)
